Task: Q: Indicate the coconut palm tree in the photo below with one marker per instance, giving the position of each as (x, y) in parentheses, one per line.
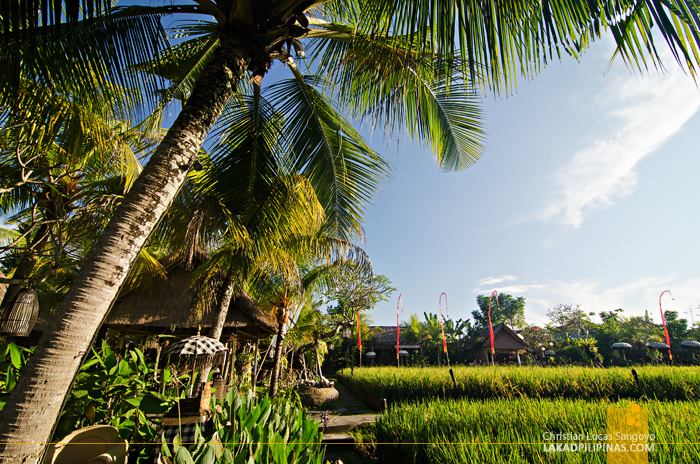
(225, 205)
(385, 49)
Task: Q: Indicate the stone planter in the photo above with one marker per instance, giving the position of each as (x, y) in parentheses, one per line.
(312, 397)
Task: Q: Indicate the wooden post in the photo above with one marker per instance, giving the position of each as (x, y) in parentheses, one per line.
(303, 363)
(255, 367)
(158, 350)
(227, 364)
(232, 359)
(120, 346)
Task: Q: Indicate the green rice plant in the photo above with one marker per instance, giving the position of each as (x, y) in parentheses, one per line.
(665, 383)
(520, 430)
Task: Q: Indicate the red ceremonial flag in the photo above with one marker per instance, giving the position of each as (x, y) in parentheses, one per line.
(398, 331)
(491, 327)
(663, 319)
(359, 332)
(442, 325)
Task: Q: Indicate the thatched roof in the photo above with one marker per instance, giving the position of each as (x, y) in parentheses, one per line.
(504, 339)
(385, 337)
(169, 306)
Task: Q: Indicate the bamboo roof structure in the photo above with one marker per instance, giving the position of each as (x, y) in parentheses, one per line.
(169, 306)
(385, 337)
(504, 340)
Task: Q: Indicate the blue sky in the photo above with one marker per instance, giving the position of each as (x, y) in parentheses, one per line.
(587, 194)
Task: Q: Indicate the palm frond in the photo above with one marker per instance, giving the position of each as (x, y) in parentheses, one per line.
(24, 16)
(90, 54)
(183, 63)
(390, 80)
(8, 236)
(250, 153)
(145, 272)
(344, 171)
(498, 41)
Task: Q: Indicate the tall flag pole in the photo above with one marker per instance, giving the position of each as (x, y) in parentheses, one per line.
(359, 336)
(444, 340)
(398, 331)
(442, 323)
(493, 352)
(663, 319)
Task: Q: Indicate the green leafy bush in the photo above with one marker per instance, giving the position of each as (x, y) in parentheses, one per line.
(120, 393)
(12, 360)
(247, 432)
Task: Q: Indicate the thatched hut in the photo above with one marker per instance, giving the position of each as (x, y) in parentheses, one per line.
(170, 307)
(508, 345)
(383, 342)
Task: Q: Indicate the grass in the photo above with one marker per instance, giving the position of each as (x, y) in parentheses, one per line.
(664, 383)
(511, 430)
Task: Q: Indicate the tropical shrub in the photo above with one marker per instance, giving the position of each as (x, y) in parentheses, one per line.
(12, 360)
(122, 393)
(247, 430)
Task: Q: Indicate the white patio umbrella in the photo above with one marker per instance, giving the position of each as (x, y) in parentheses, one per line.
(200, 349)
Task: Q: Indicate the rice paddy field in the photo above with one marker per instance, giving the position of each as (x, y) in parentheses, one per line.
(510, 414)
(518, 431)
(664, 383)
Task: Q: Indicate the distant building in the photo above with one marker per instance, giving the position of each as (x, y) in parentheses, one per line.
(383, 342)
(507, 344)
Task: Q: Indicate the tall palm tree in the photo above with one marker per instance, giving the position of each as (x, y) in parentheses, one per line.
(386, 44)
(229, 200)
(315, 258)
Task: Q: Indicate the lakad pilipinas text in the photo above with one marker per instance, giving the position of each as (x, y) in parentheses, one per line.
(627, 440)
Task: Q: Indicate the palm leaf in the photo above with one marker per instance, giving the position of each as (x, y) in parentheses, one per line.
(248, 156)
(390, 80)
(26, 15)
(90, 54)
(183, 63)
(499, 40)
(344, 171)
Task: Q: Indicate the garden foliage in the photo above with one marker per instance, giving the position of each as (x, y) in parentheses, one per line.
(249, 430)
(12, 360)
(122, 393)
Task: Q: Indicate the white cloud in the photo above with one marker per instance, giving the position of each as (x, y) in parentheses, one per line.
(643, 114)
(487, 285)
(496, 280)
(513, 289)
(593, 296)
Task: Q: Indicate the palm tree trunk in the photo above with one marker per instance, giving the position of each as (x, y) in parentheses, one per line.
(281, 332)
(221, 311)
(27, 420)
(227, 288)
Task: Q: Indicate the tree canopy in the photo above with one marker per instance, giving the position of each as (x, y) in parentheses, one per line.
(508, 309)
